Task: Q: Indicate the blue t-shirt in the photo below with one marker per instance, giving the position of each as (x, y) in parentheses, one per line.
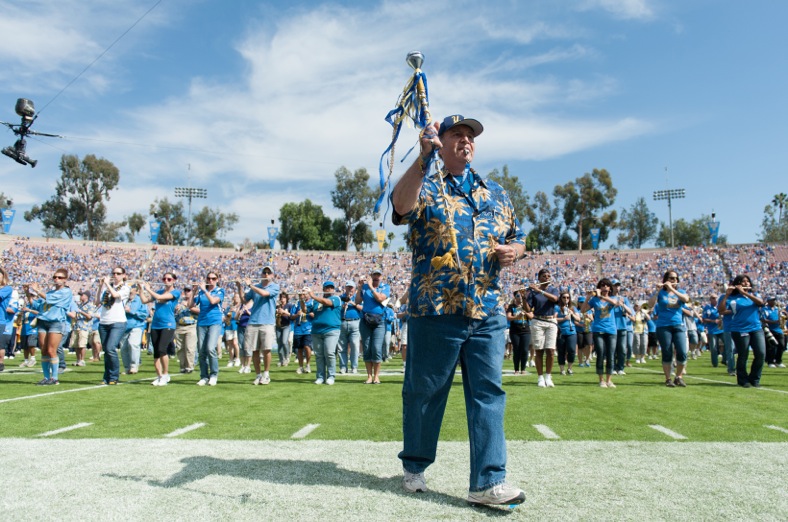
(668, 309)
(5, 301)
(327, 318)
(164, 311)
(302, 324)
(622, 322)
(263, 307)
(772, 314)
(350, 312)
(368, 302)
(389, 316)
(604, 322)
(745, 316)
(710, 313)
(56, 305)
(138, 312)
(210, 314)
(567, 327)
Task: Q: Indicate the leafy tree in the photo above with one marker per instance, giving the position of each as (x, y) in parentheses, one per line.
(689, 233)
(136, 222)
(211, 225)
(354, 198)
(544, 217)
(173, 228)
(584, 201)
(772, 229)
(113, 231)
(304, 226)
(517, 195)
(362, 236)
(638, 225)
(5, 201)
(79, 204)
(780, 200)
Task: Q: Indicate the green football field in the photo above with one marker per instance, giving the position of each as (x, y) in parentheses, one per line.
(294, 449)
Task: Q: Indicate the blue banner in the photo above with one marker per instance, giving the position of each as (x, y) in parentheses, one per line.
(154, 231)
(595, 238)
(272, 233)
(714, 230)
(8, 219)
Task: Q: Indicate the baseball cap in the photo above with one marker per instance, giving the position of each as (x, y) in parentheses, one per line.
(350, 283)
(329, 283)
(376, 270)
(581, 299)
(85, 292)
(615, 281)
(458, 119)
(267, 267)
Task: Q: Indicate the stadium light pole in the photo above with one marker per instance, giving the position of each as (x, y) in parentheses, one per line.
(670, 195)
(190, 193)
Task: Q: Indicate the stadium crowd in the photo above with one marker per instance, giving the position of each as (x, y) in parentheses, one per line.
(302, 287)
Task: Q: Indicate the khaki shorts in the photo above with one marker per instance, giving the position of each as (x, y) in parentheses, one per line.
(259, 337)
(543, 334)
(80, 338)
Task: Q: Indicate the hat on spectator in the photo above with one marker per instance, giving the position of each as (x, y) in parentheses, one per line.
(267, 267)
(615, 281)
(376, 270)
(350, 283)
(581, 299)
(85, 292)
(458, 119)
(329, 283)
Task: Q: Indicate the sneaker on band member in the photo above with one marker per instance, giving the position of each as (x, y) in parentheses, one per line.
(548, 381)
(231, 363)
(257, 379)
(212, 381)
(414, 482)
(319, 380)
(541, 382)
(202, 382)
(307, 369)
(266, 379)
(355, 370)
(330, 381)
(300, 370)
(781, 365)
(237, 363)
(498, 495)
(156, 381)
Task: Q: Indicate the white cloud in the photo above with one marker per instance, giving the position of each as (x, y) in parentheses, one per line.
(625, 9)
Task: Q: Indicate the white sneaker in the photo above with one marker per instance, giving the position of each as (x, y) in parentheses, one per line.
(355, 370)
(266, 379)
(319, 380)
(772, 365)
(501, 494)
(540, 382)
(212, 381)
(230, 364)
(155, 381)
(300, 370)
(257, 379)
(237, 363)
(343, 371)
(307, 369)
(781, 365)
(330, 381)
(202, 382)
(24, 364)
(242, 370)
(548, 381)
(164, 380)
(414, 482)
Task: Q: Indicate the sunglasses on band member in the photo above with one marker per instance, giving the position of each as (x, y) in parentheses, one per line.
(58, 277)
(117, 273)
(167, 279)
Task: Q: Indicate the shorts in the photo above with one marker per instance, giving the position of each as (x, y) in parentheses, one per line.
(259, 337)
(229, 335)
(6, 341)
(586, 339)
(94, 337)
(543, 334)
(28, 341)
(652, 339)
(51, 326)
(403, 334)
(302, 341)
(79, 338)
(692, 336)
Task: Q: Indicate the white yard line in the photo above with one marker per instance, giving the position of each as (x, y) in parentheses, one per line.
(546, 432)
(762, 388)
(187, 429)
(772, 427)
(67, 428)
(49, 394)
(668, 432)
(303, 432)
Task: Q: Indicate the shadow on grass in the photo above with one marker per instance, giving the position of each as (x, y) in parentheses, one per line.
(291, 472)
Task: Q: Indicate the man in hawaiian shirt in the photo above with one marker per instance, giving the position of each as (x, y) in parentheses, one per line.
(462, 230)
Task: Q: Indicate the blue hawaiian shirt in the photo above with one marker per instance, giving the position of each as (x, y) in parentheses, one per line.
(483, 217)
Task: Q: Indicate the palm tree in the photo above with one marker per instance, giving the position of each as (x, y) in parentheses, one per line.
(780, 200)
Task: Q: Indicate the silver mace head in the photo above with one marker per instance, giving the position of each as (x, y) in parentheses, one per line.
(415, 59)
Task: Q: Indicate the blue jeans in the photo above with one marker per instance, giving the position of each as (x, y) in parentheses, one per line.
(669, 337)
(567, 348)
(605, 349)
(730, 360)
(372, 341)
(207, 338)
(324, 346)
(716, 343)
(130, 345)
(349, 341)
(110, 335)
(620, 350)
(435, 345)
(743, 341)
(282, 343)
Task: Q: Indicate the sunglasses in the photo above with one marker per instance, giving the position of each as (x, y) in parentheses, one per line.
(58, 277)
(117, 273)
(167, 279)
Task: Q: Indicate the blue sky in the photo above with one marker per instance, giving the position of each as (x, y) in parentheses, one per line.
(265, 100)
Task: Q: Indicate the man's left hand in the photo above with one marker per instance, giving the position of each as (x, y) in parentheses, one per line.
(507, 254)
